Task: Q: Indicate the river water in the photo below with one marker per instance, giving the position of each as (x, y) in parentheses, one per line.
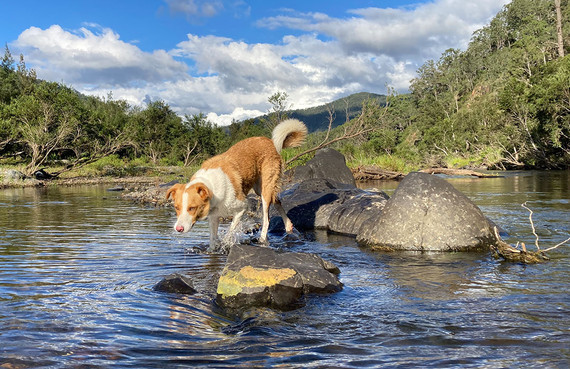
(77, 267)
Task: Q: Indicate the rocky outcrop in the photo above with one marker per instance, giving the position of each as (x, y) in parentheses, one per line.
(427, 213)
(329, 205)
(261, 276)
(327, 164)
(12, 175)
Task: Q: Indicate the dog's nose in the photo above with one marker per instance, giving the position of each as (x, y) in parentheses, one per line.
(180, 228)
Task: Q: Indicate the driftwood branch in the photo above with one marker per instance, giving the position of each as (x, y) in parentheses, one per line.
(458, 172)
(372, 173)
(532, 225)
(513, 253)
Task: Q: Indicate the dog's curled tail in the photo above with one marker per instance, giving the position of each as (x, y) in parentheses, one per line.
(289, 133)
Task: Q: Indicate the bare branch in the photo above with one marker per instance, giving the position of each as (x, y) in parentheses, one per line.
(555, 246)
(532, 225)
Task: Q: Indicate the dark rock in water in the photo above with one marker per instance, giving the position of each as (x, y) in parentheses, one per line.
(324, 204)
(169, 184)
(323, 195)
(175, 283)
(327, 164)
(261, 276)
(348, 217)
(427, 213)
(116, 189)
(42, 175)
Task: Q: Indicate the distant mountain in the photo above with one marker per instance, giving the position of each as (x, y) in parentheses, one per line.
(317, 118)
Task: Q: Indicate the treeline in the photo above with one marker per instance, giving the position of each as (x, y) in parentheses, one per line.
(43, 123)
(503, 103)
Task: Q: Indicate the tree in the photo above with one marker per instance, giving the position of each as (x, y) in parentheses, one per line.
(279, 106)
(156, 128)
(45, 121)
(210, 139)
(104, 129)
(560, 37)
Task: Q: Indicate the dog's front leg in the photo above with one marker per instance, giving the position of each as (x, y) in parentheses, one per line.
(214, 222)
(235, 221)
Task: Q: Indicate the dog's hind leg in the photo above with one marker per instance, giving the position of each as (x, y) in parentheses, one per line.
(265, 227)
(283, 213)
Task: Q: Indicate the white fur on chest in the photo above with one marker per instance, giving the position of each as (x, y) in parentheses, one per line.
(224, 201)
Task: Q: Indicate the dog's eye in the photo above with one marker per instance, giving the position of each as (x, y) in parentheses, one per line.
(177, 207)
(192, 208)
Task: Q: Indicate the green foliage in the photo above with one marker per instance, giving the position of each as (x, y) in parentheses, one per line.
(502, 103)
(505, 94)
(45, 122)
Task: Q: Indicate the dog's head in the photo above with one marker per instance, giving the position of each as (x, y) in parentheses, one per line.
(191, 202)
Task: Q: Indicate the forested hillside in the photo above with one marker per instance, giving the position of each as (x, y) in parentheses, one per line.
(504, 102)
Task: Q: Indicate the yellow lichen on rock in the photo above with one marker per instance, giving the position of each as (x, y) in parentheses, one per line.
(231, 282)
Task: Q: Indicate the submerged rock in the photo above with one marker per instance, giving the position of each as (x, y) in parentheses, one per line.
(261, 276)
(175, 283)
(427, 213)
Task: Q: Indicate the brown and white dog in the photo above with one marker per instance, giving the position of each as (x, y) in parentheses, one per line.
(219, 188)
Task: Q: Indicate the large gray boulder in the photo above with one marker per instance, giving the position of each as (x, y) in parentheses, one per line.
(261, 276)
(427, 213)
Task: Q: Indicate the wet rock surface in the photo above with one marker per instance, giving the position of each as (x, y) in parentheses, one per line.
(175, 283)
(261, 276)
(325, 204)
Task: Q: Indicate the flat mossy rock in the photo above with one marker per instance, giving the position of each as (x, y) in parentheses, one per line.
(261, 276)
(426, 213)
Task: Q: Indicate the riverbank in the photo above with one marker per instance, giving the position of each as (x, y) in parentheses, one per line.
(11, 178)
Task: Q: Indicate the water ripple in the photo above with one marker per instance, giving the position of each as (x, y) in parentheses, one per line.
(76, 280)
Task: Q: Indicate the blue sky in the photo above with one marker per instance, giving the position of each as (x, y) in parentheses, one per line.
(225, 58)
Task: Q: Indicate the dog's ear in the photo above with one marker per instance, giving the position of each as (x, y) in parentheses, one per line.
(172, 191)
(203, 191)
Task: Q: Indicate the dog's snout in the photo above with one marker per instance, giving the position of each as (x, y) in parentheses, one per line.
(180, 228)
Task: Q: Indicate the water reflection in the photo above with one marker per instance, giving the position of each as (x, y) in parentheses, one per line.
(77, 267)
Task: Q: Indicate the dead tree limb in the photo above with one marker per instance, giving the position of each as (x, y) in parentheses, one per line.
(513, 253)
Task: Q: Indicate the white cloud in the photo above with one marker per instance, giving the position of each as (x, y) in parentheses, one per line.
(95, 58)
(423, 31)
(238, 114)
(232, 79)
